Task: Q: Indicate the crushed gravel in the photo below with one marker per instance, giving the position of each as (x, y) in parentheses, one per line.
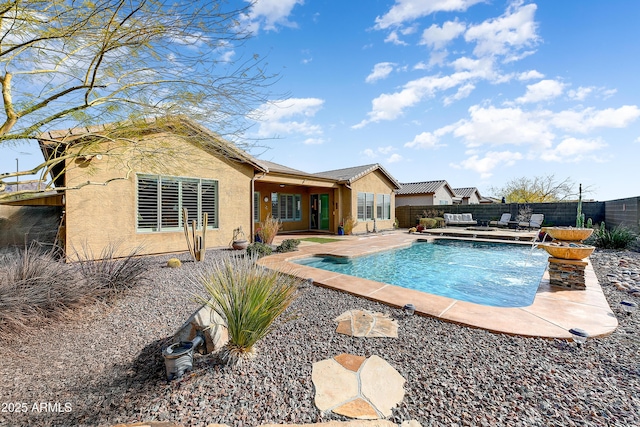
(105, 367)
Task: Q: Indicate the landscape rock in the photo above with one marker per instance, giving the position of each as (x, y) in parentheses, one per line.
(209, 323)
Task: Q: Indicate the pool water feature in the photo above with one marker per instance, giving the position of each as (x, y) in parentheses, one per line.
(492, 274)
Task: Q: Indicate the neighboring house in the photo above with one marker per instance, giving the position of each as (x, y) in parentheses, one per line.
(321, 201)
(122, 196)
(425, 193)
(468, 195)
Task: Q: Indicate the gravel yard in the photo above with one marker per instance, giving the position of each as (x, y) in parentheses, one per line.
(105, 367)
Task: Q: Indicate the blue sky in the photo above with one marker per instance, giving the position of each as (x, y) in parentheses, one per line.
(474, 92)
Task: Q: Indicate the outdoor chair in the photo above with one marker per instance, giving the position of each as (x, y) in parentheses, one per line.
(503, 221)
(534, 222)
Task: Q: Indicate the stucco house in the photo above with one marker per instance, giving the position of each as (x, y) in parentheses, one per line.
(130, 188)
(321, 201)
(425, 193)
(468, 195)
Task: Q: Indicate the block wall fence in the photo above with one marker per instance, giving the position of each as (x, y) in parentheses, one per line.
(614, 212)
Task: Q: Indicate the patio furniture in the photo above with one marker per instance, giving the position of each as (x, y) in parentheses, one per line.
(503, 221)
(459, 219)
(534, 222)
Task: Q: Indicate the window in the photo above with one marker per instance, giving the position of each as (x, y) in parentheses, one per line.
(365, 206)
(286, 207)
(383, 207)
(444, 202)
(256, 206)
(161, 200)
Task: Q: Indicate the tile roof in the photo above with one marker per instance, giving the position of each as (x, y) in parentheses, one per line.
(425, 187)
(354, 173)
(466, 191)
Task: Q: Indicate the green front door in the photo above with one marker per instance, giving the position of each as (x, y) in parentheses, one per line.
(324, 211)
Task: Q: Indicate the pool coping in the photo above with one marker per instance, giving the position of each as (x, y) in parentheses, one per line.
(554, 310)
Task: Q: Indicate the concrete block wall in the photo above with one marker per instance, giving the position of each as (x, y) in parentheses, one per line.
(625, 212)
(555, 214)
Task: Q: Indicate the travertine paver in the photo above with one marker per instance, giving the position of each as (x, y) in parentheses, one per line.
(364, 323)
(356, 387)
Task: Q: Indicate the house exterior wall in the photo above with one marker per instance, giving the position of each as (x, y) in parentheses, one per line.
(414, 200)
(375, 183)
(99, 215)
(442, 197)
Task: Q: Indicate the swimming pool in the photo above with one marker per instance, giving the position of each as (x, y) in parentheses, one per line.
(493, 274)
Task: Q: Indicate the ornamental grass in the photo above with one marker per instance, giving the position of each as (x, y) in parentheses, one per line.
(249, 298)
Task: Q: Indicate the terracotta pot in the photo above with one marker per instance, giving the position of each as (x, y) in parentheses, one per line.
(569, 234)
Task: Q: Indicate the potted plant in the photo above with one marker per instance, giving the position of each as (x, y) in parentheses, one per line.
(239, 240)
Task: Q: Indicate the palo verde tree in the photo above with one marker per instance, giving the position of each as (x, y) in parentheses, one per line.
(75, 63)
(539, 189)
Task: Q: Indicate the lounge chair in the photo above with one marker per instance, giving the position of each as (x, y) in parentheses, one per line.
(503, 221)
(459, 219)
(534, 222)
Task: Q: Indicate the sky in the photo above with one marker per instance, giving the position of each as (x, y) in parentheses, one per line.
(474, 92)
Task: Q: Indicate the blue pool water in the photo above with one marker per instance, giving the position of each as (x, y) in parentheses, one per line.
(494, 274)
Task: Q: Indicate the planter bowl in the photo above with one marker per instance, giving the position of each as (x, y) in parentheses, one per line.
(569, 234)
(569, 252)
(240, 244)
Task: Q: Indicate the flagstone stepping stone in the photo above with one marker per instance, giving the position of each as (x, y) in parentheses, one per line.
(357, 387)
(364, 323)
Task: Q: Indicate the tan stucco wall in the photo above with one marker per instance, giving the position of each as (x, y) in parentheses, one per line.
(97, 215)
(417, 200)
(442, 194)
(375, 183)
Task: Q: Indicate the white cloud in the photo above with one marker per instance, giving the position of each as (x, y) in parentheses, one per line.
(395, 158)
(586, 120)
(530, 75)
(383, 151)
(288, 117)
(408, 10)
(637, 140)
(391, 106)
(463, 92)
(581, 93)
(438, 37)
(394, 39)
(313, 141)
(544, 90)
(514, 30)
(380, 71)
(500, 126)
(572, 150)
(271, 13)
(485, 165)
(423, 140)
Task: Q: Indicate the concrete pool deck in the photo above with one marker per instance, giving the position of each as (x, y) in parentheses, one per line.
(553, 312)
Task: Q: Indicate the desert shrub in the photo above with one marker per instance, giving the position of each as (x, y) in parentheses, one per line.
(428, 222)
(269, 229)
(288, 245)
(110, 274)
(431, 213)
(36, 288)
(258, 250)
(349, 224)
(619, 237)
(249, 298)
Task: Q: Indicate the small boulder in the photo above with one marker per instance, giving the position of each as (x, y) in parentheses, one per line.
(206, 321)
(174, 263)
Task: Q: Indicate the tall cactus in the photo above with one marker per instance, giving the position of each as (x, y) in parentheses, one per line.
(197, 244)
(580, 215)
